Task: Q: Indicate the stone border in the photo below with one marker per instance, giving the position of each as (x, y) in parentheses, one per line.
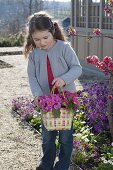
(24, 123)
(11, 50)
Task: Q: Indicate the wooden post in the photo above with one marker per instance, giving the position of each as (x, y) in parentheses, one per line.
(109, 106)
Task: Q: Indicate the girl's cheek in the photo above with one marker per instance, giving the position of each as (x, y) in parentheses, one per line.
(37, 44)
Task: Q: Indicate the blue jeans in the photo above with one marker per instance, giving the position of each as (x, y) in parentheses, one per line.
(49, 149)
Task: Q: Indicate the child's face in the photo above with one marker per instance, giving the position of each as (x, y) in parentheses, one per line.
(43, 39)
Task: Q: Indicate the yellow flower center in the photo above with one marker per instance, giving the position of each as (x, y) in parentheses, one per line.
(50, 102)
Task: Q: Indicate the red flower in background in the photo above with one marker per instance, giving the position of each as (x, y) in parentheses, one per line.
(107, 60)
(92, 59)
(106, 65)
(97, 31)
(110, 97)
(109, 8)
(71, 31)
(110, 67)
(110, 2)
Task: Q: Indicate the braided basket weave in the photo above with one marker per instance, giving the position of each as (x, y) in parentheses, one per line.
(61, 122)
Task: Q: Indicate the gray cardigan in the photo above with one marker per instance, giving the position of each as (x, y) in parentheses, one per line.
(64, 64)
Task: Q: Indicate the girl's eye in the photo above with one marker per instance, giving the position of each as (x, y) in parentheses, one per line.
(45, 37)
(36, 39)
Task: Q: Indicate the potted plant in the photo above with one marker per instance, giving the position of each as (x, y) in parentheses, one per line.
(57, 110)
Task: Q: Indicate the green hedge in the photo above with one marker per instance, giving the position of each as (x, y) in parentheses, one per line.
(11, 41)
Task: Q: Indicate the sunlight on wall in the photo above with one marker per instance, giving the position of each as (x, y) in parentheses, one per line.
(96, 1)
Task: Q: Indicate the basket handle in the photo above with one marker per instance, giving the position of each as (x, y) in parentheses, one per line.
(61, 89)
(53, 90)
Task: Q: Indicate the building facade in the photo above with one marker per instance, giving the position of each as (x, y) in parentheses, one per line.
(87, 15)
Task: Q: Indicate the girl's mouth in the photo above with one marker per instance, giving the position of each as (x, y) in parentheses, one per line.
(43, 47)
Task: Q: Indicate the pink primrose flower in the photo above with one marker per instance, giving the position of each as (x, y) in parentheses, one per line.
(57, 106)
(57, 101)
(75, 101)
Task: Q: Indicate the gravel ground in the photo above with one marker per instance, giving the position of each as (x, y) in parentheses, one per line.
(20, 148)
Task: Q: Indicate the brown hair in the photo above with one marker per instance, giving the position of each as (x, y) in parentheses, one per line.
(41, 21)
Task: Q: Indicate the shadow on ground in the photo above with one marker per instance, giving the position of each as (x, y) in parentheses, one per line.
(4, 65)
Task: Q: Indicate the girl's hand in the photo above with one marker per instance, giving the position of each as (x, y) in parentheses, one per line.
(36, 100)
(58, 82)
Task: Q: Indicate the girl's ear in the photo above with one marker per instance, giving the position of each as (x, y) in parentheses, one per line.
(55, 25)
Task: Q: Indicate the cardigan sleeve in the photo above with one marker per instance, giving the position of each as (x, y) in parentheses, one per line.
(75, 69)
(33, 82)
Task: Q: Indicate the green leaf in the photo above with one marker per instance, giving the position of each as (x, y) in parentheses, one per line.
(56, 113)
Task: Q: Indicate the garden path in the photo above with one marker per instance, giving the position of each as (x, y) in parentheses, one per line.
(20, 148)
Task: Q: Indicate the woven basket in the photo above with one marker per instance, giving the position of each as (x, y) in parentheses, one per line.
(62, 122)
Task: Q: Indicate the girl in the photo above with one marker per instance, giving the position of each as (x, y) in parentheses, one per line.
(51, 62)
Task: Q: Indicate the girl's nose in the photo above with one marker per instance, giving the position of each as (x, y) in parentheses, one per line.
(42, 43)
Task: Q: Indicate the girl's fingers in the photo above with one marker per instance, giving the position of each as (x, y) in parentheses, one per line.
(58, 82)
(53, 82)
